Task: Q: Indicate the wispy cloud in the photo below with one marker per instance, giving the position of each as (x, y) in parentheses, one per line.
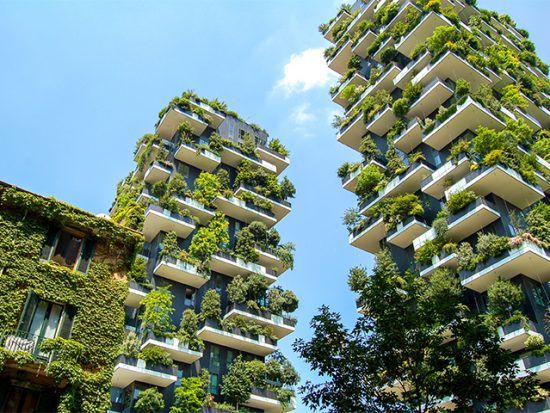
(301, 115)
(305, 71)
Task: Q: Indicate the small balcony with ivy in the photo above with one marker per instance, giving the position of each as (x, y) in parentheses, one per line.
(128, 370)
(182, 272)
(432, 96)
(177, 350)
(539, 365)
(232, 266)
(411, 69)
(410, 137)
(159, 219)
(357, 79)
(342, 15)
(339, 57)
(280, 324)
(158, 172)
(444, 259)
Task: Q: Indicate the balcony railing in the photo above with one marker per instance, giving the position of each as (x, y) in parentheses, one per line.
(278, 319)
(170, 214)
(25, 342)
(270, 197)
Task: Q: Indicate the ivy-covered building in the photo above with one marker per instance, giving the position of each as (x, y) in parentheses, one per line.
(63, 283)
(203, 317)
(447, 109)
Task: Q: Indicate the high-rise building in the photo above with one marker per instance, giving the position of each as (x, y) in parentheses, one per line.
(63, 282)
(206, 193)
(447, 109)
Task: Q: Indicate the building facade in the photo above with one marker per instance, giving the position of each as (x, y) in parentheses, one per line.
(206, 193)
(447, 109)
(63, 283)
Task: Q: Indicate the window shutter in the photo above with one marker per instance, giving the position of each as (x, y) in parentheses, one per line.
(67, 322)
(47, 249)
(86, 255)
(27, 313)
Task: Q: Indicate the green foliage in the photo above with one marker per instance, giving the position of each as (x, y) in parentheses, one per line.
(138, 271)
(155, 355)
(277, 146)
(285, 253)
(397, 209)
(207, 187)
(209, 240)
(282, 301)
(189, 395)
(149, 401)
(170, 247)
(368, 148)
(542, 148)
(130, 345)
(351, 219)
(401, 107)
(538, 222)
(157, 306)
(237, 383)
(386, 13)
(512, 98)
(504, 299)
(462, 87)
(412, 91)
(211, 306)
(490, 245)
(246, 325)
(357, 279)
(465, 257)
(188, 329)
(441, 39)
(424, 254)
(250, 289)
(459, 200)
(369, 180)
(389, 55)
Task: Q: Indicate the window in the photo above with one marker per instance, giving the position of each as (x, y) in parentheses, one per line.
(242, 134)
(189, 297)
(67, 249)
(183, 169)
(215, 358)
(218, 284)
(213, 386)
(230, 358)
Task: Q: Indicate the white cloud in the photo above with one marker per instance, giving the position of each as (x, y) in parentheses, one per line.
(305, 71)
(301, 115)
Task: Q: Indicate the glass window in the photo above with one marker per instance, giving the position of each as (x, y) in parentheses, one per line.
(67, 249)
(218, 284)
(189, 297)
(230, 358)
(183, 169)
(215, 358)
(213, 387)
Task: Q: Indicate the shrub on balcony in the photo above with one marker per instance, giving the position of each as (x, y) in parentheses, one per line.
(389, 55)
(368, 148)
(462, 87)
(208, 241)
(431, 5)
(369, 181)
(138, 271)
(443, 38)
(538, 222)
(395, 163)
(236, 383)
(396, 210)
(130, 345)
(400, 107)
(511, 98)
(207, 187)
(451, 14)
(412, 91)
(245, 325)
(277, 146)
(505, 299)
(190, 395)
(248, 145)
(459, 200)
(490, 245)
(155, 355)
(374, 104)
(386, 14)
(351, 93)
(188, 329)
(211, 306)
(158, 308)
(149, 401)
(170, 247)
(255, 200)
(351, 219)
(250, 290)
(426, 252)
(282, 301)
(285, 253)
(462, 146)
(357, 278)
(542, 148)
(416, 157)
(466, 257)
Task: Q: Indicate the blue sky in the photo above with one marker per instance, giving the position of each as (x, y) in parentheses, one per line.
(80, 82)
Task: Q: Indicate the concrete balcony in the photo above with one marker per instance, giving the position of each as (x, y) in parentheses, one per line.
(244, 211)
(406, 231)
(214, 117)
(537, 365)
(273, 157)
(513, 336)
(409, 182)
(342, 15)
(366, 13)
(129, 370)
(452, 171)
(453, 67)
(179, 271)
(409, 71)
(433, 96)
(410, 138)
(528, 259)
(146, 197)
(169, 123)
(199, 158)
(349, 182)
(531, 121)
(352, 133)
(280, 207)
(269, 259)
(259, 345)
(233, 157)
(368, 236)
(136, 293)
(282, 326)
(361, 46)
(468, 116)
(177, 350)
(377, 56)
(444, 260)
(232, 266)
(159, 219)
(356, 79)
(157, 172)
(197, 209)
(382, 122)
(401, 15)
(267, 401)
(540, 113)
(421, 32)
(339, 62)
(503, 182)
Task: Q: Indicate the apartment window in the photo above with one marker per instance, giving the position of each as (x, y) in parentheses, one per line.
(213, 386)
(183, 169)
(215, 358)
(218, 284)
(230, 358)
(242, 134)
(189, 297)
(67, 249)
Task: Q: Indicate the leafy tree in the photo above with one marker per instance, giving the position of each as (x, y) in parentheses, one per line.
(237, 383)
(157, 311)
(189, 396)
(207, 187)
(368, 180)
(149, 401)
(211, 306)
(170, 247)
(396, 358)
(504, 299)
(187, 332)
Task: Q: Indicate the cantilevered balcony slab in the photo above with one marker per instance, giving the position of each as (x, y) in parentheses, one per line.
(382, 122)
(197, 209)
(232, 266)
(503, 182)
(471, 219)
(538, 112)
(267, 401)
(342, 15)
(409, 71)
(159, 219)
(433, 96)
(157, 172)
(468, 116)
(361, 46)
(339, 62)
(528, 259)
(282, 326)
(368, 237)
(249, 343)
(233, 157)
(179, 271)
(386, 44)
(352, 133)
(424, 29)
(268, 258)
(454, 67)
(136, 293)
(406, 231)
(410, 138)
(273, 157)
(214, 116)
(244, 211)
(530, 120)
(538, 365)
(349, 182)
(444, 260)
(202, 158)
(401, 15)
(178, 351)
(366, 13)
(280, 208)
(513, 336)
(452, 171)
(356, 79)
(409, 182)
(129, 370)
(169, 123)
(384, 82)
